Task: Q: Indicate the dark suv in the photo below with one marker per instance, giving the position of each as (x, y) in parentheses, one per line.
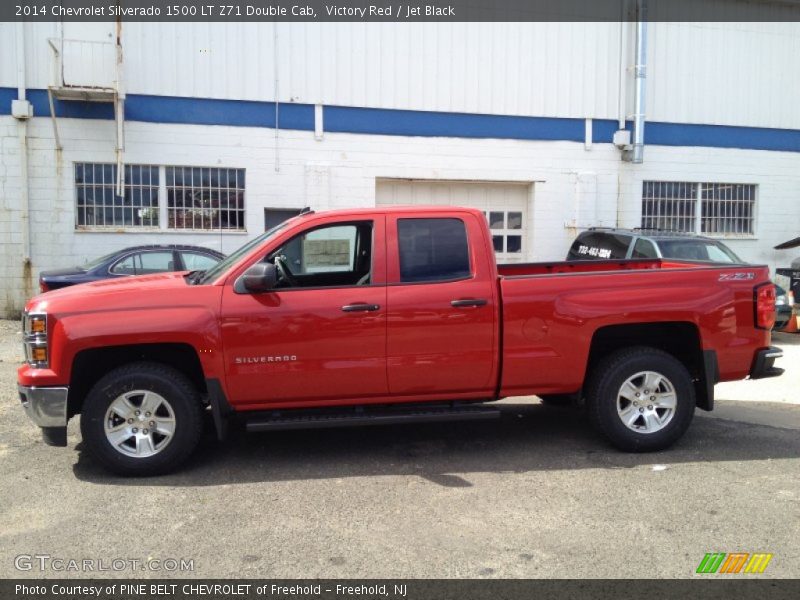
(611, 244)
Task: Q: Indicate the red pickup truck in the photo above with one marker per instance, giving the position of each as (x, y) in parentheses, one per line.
(386, 316)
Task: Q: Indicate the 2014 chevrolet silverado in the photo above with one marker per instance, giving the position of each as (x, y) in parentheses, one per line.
(386, 316)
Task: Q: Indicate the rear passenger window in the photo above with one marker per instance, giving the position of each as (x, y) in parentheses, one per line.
(432, 250)
(194, 261)
(145, 263)
(644, 249)
(599, 246)
(155, 262)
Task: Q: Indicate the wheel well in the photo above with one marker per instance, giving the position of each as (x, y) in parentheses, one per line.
(92, 364)
(678, 338)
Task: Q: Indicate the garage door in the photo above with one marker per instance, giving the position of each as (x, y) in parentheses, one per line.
(504, 204)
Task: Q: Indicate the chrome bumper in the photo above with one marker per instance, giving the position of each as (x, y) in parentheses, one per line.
(47, 407)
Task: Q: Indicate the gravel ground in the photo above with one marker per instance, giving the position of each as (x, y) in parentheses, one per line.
(535, 494)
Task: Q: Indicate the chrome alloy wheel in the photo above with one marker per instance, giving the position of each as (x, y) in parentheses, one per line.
(646, 402)
(139, 423)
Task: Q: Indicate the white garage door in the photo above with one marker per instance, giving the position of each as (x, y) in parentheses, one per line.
(504, 204)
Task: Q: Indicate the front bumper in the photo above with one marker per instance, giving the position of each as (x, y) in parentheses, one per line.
(764, 363)
(47, 407)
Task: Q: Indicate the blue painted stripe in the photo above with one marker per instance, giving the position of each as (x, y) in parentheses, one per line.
(6, 96)
(437, 124)
(722, 136)
(173, 109)
(343, 119)
(208, 111)
(69, 109)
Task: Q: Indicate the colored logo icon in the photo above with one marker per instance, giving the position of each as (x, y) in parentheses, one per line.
(734, 562)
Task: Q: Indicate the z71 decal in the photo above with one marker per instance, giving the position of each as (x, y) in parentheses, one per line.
(737, 276)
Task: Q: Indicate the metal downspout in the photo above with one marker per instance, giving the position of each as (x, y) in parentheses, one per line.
(623, 76)
(22, 133)
(640, 80)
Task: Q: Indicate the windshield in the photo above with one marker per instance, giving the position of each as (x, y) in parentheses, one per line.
(706, 250)
(225, 264)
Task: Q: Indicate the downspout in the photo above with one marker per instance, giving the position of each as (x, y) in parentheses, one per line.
(640, 74)
(623, 76)
(22, 114)
(276, 66)
(119, 111)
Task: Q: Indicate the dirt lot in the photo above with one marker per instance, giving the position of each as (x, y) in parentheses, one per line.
(534, 494)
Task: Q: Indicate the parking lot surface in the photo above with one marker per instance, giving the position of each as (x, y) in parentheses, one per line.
(536, 493)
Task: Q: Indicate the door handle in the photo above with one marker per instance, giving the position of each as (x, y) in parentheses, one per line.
(469, 302)
(360, 307)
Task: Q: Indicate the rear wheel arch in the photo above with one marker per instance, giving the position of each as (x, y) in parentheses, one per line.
(680, 339)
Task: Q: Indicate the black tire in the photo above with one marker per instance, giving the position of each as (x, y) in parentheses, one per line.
(605, 383)
(172, 386)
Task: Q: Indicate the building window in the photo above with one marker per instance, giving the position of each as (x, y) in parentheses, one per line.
(724, 208)
(205, 198)
(98, 204)
(727, 208)
(506, 227)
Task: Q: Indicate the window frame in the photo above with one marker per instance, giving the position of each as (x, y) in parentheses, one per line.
(373, 221)
(113, 265)
(127, 186)
(163, 211)
(644, 240)
(396, 247)
(699, 204)
(175, 209)
(179, 253)
(505, 232)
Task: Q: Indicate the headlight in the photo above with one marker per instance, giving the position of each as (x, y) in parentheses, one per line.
(34, 338)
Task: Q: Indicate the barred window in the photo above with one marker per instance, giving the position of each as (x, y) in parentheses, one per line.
(669, 205)
(725, 208)
(205, 198)
(98, 205)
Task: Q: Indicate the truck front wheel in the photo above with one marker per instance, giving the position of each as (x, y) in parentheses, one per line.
(642, 399)
(142, 419)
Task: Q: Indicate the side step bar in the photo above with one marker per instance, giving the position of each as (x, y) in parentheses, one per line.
(282, 420)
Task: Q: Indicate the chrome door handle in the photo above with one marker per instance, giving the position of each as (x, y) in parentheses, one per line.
(469, 302)
(360, 307)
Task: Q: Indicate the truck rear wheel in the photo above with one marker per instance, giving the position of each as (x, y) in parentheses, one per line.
(142, 419)
(642, 399)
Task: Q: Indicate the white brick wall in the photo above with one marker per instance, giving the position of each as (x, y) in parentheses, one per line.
(340, 172)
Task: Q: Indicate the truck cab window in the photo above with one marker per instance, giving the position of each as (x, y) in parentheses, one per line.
(432, 250)
(330, 256)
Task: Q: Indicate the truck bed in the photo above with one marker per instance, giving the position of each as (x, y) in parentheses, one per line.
(551, 311)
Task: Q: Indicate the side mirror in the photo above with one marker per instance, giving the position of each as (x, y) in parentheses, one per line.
(261, 277)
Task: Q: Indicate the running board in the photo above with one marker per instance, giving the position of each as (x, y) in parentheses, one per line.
(358, 418)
